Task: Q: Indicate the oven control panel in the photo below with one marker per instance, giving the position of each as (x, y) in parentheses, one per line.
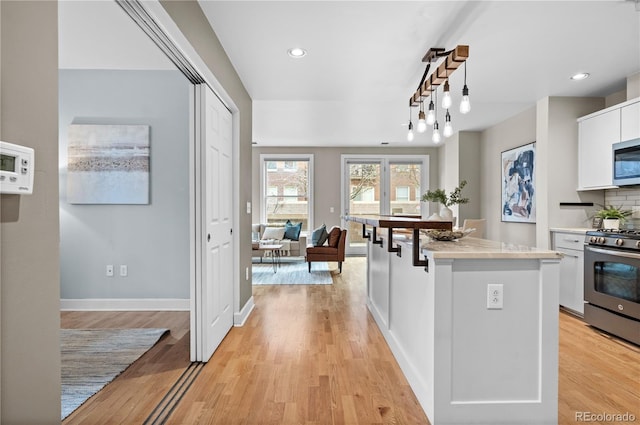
(625, 239)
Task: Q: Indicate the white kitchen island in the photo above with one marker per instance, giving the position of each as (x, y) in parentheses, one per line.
(466, 363)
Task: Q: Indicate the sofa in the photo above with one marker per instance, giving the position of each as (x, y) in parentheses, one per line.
(291, 248)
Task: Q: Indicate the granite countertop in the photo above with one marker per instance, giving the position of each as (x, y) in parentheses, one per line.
(470, 248)
(577, 230)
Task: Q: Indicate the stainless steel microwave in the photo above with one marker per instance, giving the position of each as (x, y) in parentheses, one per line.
(626, 163)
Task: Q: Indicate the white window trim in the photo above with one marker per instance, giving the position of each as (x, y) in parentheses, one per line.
(385, 161)
(287, 157)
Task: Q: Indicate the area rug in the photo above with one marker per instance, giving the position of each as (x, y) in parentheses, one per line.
(292, 274)
(91, 358)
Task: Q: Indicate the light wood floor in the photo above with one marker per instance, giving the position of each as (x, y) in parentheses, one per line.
(313, 355)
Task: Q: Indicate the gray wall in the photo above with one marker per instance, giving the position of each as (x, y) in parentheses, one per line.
(152, 240)
(458, 160)
(516, 131)
(326, 168)
(557, 165)
(30, 370)
(194, 25)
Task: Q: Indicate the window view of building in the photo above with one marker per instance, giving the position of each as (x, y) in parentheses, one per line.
(286, 194)
(405, 189)
(368, 197)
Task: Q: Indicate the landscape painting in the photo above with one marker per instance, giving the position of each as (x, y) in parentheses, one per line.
(518, 184)
(108, 164)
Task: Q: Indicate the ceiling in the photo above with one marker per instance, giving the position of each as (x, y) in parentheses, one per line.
(364, 58)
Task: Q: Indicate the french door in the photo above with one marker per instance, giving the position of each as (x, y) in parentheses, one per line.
(380, 185)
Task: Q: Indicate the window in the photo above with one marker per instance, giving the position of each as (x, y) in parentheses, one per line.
(363, 194)
(286, 189)
(291, 191)
(402, 193)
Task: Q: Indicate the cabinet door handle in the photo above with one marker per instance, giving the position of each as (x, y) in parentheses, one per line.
(569, 255)
(571, 240)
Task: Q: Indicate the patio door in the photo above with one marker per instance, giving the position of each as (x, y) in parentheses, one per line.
(380, 185)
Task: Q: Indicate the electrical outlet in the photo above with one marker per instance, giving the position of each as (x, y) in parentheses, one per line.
(124, 270)
(246, 273)
(332, 210)
(495, 295)
(109, 270)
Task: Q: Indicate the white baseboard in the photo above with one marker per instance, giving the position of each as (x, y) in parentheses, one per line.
(243, 315)
(120, 304)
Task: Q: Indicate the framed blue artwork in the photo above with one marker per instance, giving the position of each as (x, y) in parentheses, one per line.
(518, 184)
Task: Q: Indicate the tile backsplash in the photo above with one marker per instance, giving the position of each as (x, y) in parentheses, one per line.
(627, 198)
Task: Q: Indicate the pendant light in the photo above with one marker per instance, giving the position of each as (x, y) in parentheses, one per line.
(448, 129)
(410, 132)
(422, 123)
(431, 115)
(446, 98)
(465, 104)
(436, 131)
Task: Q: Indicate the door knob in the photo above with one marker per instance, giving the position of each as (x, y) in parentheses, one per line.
(208, 237)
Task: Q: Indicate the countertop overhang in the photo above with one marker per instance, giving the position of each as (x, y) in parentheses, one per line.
(474, 248)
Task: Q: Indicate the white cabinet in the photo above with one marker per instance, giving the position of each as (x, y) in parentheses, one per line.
(596, 134)
(630, 122)
(571, 269)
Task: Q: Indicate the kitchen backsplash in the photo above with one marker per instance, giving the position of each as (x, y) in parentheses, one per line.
(627, 198)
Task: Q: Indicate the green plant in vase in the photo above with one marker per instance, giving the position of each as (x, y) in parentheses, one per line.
(612, 217)
(440, 196)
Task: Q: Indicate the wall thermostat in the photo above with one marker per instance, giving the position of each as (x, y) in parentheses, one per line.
(16, 168)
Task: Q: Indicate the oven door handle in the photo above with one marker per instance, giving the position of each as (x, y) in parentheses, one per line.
(614, 252)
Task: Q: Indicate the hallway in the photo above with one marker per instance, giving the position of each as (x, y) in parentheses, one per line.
(311, 354)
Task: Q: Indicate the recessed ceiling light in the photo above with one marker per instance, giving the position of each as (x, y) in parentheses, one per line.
(297, 52)
(580, 76)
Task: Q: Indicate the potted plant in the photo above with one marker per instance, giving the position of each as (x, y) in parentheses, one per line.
(440, 196)
(612, 217)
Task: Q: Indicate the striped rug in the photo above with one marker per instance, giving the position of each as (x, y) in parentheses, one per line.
(292, 274)
(91, 358)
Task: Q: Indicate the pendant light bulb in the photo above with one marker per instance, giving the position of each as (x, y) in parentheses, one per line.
(431, 114)
(436, 133)
(410, 133)
(422, 123)
(446, 98)
(448, 128)
(465, 104)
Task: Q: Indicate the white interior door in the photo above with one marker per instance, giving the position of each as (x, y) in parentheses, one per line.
(216, 287)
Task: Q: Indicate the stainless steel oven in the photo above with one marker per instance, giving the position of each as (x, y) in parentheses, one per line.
(612, 282)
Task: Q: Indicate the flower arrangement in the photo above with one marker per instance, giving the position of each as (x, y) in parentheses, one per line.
(439, 195)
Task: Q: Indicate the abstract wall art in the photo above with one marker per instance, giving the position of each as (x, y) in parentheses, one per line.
(518, 184)
(108, 164)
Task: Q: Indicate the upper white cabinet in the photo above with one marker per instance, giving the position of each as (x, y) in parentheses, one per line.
(596, 134)
(630, 122)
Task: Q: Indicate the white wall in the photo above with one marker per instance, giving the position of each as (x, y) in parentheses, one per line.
(152, 240)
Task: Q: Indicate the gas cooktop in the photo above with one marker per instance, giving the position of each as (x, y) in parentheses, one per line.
(617, 238)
